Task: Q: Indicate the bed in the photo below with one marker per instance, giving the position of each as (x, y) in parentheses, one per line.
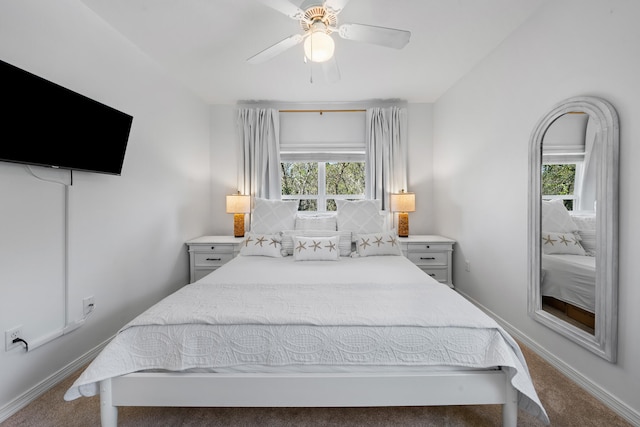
(278, 331)
(568, 263)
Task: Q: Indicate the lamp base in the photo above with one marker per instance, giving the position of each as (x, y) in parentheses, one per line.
(403, 224)
(238, 225)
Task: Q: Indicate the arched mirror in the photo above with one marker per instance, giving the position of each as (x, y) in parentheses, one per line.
(573, 223)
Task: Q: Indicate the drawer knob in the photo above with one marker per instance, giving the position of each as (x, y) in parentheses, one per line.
(213, 247)
(214, 259)
(431, 274)
(427, 257)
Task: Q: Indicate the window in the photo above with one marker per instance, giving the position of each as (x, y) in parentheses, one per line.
(318, 184)
(559, 182)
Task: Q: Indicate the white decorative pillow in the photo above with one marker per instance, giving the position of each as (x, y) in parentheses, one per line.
(315, 248)
(555, 216)
(378, 244)
(359, 216)
(561, 243)
(323, 222)
(344, 239)
(588, 241)
(262, 245)
(586, 223)
(273, 216)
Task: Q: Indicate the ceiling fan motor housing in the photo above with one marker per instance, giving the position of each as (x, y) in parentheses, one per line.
(316, 14)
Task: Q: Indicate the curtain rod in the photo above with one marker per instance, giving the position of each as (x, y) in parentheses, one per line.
(323, 111)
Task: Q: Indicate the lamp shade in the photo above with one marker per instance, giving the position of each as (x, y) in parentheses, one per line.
(403, 202)
(319, 46)
(238, 203)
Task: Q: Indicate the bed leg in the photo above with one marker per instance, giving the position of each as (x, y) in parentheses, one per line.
(108, 412)
(510, 408)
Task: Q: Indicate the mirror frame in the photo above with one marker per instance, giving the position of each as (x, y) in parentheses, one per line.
(604, 341)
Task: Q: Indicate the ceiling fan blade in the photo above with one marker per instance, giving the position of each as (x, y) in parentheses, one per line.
(331, 70)
(336, 5)
(286, 7)
(276, 49)
(389, 37)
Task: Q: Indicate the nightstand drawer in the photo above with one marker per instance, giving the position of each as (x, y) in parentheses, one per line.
(212, 259)
(428, 258)
(427, 247)
(440, 274)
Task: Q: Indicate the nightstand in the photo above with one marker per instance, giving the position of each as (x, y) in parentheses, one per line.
(432, 254)
(207, 253)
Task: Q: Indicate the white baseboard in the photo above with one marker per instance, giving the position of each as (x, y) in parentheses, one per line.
(594, 389)
(32, 394)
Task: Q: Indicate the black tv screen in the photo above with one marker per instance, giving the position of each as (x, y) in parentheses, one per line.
(46, 124)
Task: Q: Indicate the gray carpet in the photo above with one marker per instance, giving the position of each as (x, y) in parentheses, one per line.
(566, 404)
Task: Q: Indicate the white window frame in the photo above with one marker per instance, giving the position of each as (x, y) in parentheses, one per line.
(322, 196)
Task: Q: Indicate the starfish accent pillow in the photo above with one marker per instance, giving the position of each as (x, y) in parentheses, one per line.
(316, 248)
(377, 244)
(262, 245)
(561, 243)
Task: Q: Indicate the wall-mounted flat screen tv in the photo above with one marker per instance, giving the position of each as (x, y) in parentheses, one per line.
(45, 124)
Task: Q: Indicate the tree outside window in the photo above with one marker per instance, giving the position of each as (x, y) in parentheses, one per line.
(319, 184)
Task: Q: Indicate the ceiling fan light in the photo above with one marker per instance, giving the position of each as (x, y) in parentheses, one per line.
(319, 46)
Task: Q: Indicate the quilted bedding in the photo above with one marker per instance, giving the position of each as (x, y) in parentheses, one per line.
(373, 312)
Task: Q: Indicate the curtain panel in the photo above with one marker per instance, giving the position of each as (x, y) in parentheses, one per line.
(259, 152)
(386, 153)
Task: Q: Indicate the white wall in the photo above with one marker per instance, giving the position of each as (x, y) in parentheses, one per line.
(126, 233)
(420, 166)
(481, 140)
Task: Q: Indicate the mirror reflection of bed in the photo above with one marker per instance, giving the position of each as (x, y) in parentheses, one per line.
(569, 221)
(568, 289)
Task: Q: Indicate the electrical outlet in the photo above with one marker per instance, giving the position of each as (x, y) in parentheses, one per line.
(10, 335)
(87, 305)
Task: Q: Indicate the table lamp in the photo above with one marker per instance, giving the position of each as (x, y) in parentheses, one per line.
(403, 203)
(238, 205)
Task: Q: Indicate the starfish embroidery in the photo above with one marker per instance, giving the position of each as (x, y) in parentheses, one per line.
(392, 240)
(260, 241)
(564, 240)
(331, 246)
(274, 242)
(378, 241)
(316, 246)
(365, 243)
(548, 240)
(301, 246)
(246, 242)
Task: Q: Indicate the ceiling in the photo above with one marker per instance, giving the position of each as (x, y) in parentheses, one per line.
(205, 43)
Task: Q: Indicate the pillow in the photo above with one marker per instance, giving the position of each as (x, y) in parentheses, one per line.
(586, 223)
(556, 217)
(378, 244)
(344, 239)
(359, 216)
(315, 248)
(588, 241)
(561, 243)
(261, 245)
(323, 222)
(273, 216)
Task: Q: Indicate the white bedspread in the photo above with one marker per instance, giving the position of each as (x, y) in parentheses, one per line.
(255, 311)
(570, 278)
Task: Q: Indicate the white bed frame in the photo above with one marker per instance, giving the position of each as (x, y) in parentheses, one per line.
(466, 387)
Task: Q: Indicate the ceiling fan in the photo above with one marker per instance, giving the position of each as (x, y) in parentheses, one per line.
(318, 20)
